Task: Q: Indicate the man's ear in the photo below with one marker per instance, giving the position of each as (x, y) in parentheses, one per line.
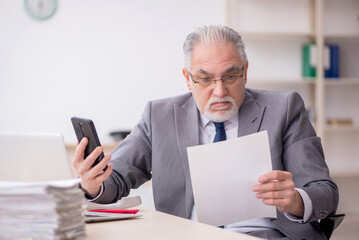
(186, 76)
(245, 72)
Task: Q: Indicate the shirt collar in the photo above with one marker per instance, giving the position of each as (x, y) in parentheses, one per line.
(205, 121)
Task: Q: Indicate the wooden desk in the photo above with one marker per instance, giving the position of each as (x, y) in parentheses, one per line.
(157, 225)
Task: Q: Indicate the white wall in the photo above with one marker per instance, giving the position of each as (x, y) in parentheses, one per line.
(97, 59)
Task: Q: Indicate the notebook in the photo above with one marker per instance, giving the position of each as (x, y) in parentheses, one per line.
(33, 157)
(124, 203)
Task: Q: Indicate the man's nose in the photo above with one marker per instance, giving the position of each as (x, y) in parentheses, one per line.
(219, 88)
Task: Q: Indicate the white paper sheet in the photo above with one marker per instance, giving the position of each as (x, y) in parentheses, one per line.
(125, 202)
(223, 174)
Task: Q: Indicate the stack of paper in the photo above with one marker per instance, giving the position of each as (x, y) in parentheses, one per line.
(46, 210)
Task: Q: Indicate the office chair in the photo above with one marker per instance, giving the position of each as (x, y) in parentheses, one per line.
(330, 223)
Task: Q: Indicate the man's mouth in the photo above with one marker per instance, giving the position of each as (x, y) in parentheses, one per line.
(220, 105)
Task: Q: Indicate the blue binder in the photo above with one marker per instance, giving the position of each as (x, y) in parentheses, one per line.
(333, 70)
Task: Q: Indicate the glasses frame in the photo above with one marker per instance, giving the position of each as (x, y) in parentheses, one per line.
(213, 80)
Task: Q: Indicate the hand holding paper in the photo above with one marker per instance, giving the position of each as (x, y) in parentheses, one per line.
(276, 188)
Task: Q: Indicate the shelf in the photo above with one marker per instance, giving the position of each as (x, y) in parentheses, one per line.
(341, 128)
(300, 81)
(277, 35)
(351, 37)
(342, 81)
(344, 173)
(274, 46)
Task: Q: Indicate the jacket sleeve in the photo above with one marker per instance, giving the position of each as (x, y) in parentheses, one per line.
(303, 156)
(131, 160)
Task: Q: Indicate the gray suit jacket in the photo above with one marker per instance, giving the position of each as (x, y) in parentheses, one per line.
(156, 148)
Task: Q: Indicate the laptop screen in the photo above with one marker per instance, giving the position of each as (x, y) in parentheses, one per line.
(33, 157)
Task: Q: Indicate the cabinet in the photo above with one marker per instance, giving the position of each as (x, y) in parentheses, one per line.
(274, 32)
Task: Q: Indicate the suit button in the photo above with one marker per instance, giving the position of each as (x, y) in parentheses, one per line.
(322, 213)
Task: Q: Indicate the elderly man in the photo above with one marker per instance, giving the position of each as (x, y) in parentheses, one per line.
(219, 107)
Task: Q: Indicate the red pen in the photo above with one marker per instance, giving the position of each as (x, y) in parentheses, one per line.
(123, 211)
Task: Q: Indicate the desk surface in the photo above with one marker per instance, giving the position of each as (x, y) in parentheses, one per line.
(157, 225)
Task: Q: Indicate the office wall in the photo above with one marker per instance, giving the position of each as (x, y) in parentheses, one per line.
(97, 59)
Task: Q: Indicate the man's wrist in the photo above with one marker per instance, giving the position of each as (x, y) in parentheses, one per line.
(93, 196)
(308, 208)
(298, 209)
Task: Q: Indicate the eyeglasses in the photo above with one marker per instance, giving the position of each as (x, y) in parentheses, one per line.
(207, 81)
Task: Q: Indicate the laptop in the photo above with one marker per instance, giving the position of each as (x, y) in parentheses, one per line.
(33, 157)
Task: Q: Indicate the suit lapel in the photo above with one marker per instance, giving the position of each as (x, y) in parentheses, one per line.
(186, 122)
(250, 116)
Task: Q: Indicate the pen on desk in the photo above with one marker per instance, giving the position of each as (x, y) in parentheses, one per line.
(123, 211)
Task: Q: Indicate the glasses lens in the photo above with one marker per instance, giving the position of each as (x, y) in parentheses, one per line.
(205, 81)
(231, 78)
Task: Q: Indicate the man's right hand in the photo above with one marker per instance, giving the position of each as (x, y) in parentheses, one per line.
(92, 177)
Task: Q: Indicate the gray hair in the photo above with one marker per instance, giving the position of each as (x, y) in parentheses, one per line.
(207, 34)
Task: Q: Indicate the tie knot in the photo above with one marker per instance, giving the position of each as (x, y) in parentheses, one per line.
(218, 125)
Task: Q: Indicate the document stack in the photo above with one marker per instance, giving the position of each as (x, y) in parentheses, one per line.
(46, 210)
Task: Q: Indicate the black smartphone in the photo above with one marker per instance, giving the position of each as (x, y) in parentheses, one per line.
(86, 128)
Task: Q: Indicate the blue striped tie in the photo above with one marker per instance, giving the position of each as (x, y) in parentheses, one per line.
(220, 132)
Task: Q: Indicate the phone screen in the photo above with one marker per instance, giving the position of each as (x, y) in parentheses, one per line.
(86, 128)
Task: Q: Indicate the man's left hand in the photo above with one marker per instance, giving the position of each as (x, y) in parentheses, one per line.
(276, 188)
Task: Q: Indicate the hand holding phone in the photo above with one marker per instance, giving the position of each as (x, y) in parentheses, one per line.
(86, 128)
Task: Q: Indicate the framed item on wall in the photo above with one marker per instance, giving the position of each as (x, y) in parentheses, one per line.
(40, 9)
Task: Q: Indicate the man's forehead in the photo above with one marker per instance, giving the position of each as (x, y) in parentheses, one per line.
(215, 54)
